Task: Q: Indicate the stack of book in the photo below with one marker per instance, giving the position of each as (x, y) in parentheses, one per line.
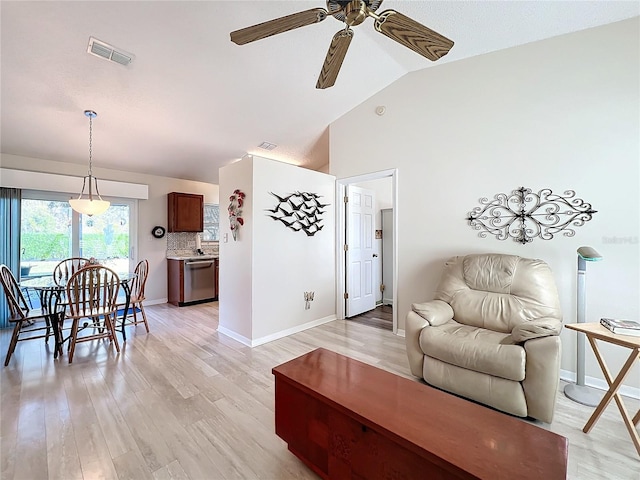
(623, 327)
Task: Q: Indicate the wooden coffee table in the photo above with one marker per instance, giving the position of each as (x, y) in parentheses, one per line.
(346, 419)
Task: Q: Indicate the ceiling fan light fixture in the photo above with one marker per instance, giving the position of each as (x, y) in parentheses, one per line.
(89, 205)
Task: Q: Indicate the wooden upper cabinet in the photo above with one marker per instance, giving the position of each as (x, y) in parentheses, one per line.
(185, 212)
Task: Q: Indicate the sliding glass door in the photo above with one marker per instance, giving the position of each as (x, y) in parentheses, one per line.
(45, 235)
(107, 238)
(51, 231)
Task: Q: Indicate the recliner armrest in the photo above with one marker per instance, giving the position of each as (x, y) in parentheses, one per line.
(413, 327)
(436, 312)
(542, 327)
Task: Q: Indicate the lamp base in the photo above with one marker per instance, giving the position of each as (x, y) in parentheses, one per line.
(583, 394)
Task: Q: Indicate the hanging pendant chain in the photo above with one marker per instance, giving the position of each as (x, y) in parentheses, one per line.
(90, 142)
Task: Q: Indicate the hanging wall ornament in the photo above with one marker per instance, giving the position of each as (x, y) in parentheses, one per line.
(299, 211)
(235, 212)
(524, 215)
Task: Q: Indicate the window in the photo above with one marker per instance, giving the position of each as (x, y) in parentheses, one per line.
(51, 231)
(211, 222)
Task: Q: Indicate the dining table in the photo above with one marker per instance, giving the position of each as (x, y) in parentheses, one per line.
(51, 296)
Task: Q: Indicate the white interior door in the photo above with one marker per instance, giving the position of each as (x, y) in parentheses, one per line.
(359, 254)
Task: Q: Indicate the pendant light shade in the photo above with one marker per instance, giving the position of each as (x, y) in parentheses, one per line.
(88, 204)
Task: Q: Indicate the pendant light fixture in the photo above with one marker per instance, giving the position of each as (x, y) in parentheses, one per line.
(89, 205)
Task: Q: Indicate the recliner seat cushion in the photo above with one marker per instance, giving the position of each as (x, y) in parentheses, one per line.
(477, 349)
(497, 392)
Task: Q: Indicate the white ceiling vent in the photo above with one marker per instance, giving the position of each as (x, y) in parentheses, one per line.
(108, 52)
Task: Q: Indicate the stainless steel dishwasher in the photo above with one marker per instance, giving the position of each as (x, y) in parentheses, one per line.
(199, 280)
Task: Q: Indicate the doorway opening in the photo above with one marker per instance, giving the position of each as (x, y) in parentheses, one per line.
(380, 317)
(367, 270)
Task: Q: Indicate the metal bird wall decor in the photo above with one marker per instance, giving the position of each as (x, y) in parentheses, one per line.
(299, 211)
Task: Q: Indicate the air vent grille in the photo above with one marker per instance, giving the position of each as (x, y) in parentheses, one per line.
(106, 51)
(267, 145)
(120, 58)
(101, 51)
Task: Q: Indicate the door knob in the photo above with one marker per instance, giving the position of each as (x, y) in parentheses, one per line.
(375, 255)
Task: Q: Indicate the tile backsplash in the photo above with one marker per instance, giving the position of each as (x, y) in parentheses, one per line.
(184, 243)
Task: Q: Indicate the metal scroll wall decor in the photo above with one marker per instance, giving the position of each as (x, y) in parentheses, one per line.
(524, 215)
(299, 211)
(236, 200)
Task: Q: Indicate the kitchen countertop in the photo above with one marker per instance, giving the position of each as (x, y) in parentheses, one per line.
(193, 257)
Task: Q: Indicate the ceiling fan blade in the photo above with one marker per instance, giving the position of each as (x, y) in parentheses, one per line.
(334, 58)
(278, 25)
(412, 34)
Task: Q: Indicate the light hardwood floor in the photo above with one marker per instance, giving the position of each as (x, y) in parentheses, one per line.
(185, 402)
(379, 317)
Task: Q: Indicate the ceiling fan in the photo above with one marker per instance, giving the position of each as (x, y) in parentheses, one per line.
(394, 25)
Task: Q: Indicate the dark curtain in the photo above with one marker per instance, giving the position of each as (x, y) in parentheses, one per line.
(10, 239)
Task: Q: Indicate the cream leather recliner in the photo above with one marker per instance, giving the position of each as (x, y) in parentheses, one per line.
(491, 334)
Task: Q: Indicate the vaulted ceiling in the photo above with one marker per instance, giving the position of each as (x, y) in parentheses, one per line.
(191, 101)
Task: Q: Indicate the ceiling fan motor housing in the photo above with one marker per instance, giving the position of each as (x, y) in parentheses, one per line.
(352, 12)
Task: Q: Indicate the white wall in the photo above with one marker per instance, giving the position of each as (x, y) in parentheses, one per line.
(561, 114)
(236, 256)
(151, 212)
(266, 272)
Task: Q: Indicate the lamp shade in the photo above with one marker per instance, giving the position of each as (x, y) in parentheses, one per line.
(589, 254)
(89, 206)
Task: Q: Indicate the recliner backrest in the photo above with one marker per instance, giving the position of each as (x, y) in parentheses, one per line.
(498, 292)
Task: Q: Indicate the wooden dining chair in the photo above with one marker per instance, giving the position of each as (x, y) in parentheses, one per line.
(137, 297)
(92, 295)
(63, 271)
(25, 320)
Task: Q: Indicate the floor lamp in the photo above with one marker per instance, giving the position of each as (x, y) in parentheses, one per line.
(579, 392)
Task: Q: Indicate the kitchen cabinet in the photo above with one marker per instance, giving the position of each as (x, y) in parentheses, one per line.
(185, 212)
(192, 280)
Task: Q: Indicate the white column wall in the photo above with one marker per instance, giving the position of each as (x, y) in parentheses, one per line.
(265, 273)
(288, 263)
(235, 289)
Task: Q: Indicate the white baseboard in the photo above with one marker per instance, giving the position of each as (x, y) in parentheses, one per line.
(236, 336)
(400, 332)
(274, 336)
(600, 384)
(156, 302)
